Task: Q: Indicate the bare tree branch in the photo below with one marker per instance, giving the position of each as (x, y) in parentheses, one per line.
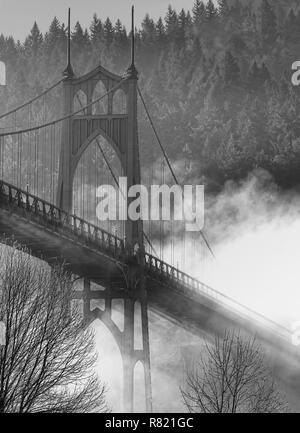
(232, 376)
(48, 360)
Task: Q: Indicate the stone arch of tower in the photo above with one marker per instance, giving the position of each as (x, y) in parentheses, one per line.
(101, 107)
(119, 102)
(95, 135)
(91, 171)
(79, 100)
(104, 314)
(106, 319)
(125, 337)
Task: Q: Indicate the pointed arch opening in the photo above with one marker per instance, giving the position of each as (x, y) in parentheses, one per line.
(100, 107)
(110, 366)
(117, 313)
(2, 74)
(119, 102)
(92, 173)
(80, 100)
(138, 333)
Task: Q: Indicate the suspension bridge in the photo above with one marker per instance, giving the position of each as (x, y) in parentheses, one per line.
(50, 169)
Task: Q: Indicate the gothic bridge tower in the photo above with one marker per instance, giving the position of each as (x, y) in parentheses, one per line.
(120, 129)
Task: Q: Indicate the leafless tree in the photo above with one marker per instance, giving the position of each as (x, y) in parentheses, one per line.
(48, 358)
(232, 376)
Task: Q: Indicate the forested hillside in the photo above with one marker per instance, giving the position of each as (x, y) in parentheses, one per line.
(216, 79)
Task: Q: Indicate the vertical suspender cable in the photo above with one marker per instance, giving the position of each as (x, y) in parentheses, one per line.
(167, 160)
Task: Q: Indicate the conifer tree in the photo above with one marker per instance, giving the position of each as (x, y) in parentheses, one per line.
(223, 8)
(198, 12)
(120, 45)
(53, 35)
(232, 70)
(96, 29)
(78, 35)
(171, 21)
(291, 27)
(35, 39)
(210, 10)
(148, 29)
(160, 31)
(268, 23)
(182, 28)
(108, 31)
(188, 19)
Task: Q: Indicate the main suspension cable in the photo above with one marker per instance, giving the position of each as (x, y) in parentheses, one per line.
(32, 100)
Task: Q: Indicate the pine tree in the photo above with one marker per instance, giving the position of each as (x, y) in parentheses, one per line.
(188, 20)
(9, 49)
(195, 66)
(78, 35)
(291, 27)
(231, 69)
(120, 45)
(54, 27)
(34, 41)
(182, 18)
(171, 21)
(96, 29)
(53, 35)
(198, 12)
(86, 39)
(264, 74)
(253, 77)
(297, 29)
(108, 32)
(182, 28)
(2, 43)
(257, 77)
(210, 10)
(223, 8)
(268, 23)
(148, 29)
(62, 34)
(118, 27)
(197, 49)
(236, 15)
(160, 31)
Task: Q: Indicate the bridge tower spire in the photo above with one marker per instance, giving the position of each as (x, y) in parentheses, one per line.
(131, 71)
(134, 229)
(68, 72)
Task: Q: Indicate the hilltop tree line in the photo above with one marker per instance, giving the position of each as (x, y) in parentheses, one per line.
(217, 80)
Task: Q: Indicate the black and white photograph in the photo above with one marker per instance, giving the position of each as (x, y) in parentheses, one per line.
(149, 210)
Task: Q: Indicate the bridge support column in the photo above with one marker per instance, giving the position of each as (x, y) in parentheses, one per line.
(128, 356)
(127, 338)
(146, 349)
(131, 356)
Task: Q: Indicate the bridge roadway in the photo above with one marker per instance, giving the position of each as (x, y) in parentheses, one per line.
(90, 252)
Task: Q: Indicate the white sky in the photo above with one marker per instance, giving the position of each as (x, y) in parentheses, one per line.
(18, 16)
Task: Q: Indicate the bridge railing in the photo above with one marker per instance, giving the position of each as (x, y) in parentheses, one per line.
(164, 272)
(58, 220)
(51, 216)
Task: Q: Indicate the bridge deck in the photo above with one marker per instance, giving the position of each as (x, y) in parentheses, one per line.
(91, 252)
